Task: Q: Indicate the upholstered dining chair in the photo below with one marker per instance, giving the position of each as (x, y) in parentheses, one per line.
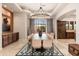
(52, 35)
(47, 44)
(30, 38)
(36, 44)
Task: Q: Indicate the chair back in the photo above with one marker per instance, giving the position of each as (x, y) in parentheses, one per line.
(47, 43)
(36, 43)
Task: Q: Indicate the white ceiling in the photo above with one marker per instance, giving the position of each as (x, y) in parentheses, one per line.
(52, 8)
(13, 7)
(35, 6)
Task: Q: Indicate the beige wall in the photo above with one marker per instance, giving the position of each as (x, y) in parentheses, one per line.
(20, 24)
(0, 25)
(66, 9)
(77, 23)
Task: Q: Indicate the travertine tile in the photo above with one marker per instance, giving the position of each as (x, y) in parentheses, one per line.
(13, 49)
(62, 45)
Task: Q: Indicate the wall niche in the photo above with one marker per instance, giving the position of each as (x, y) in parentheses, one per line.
(7, 16)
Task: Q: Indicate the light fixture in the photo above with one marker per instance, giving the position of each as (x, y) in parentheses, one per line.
(40, 12)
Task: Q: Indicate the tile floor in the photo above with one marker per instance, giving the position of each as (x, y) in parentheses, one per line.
(62, 45)
(14, 48)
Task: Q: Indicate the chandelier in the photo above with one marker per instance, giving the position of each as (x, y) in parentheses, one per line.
(40, 12)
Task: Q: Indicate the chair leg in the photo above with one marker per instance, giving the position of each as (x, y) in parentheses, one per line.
(32, 51)
(52, 48)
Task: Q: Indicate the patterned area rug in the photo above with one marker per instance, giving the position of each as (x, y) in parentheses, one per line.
(27, 50)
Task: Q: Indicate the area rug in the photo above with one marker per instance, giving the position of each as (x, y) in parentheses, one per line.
(27, 50)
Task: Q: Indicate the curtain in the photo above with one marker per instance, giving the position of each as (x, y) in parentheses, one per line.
(49, 25)
(48, 22)
(30, 29)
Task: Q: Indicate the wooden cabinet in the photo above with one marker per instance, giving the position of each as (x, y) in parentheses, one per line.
(70, 35)
(64, 31)
(61, 30)
(74, 49)
(70, 29)
(15, 36)
(8, 38)
(5, 40)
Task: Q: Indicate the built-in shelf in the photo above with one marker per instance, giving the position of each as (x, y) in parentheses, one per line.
(6, 13)
(66, 29)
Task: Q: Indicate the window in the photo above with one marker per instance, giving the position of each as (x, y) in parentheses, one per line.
(40, 24)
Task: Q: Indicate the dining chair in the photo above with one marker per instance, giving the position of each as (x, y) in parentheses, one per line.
(47, 44)
(36, 44)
